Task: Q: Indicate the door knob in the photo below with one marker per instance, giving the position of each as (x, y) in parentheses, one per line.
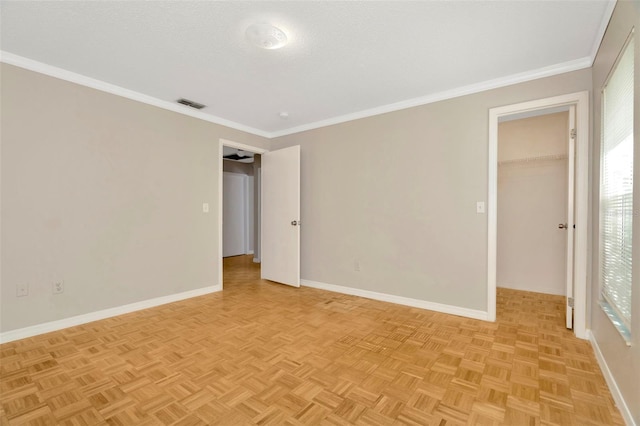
(563, 226)
(294, 222)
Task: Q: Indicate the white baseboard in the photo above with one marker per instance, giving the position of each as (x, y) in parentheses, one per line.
(536, 289)
(34, 330)
(256, 260)
(611, 382)
(400, 300)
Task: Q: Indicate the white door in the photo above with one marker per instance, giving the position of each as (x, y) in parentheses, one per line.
(570, 217)
(233, 214)
(280, 198)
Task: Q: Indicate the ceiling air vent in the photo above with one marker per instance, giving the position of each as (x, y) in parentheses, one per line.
(189, 103)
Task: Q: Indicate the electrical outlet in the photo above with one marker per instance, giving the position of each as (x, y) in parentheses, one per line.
(58, 287)
(22, 290)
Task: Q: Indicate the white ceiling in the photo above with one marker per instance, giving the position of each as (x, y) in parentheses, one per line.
(345, 60)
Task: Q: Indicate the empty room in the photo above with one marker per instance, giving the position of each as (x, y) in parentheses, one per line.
(319, 213)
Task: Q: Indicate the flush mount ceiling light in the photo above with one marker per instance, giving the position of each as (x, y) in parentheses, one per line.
(266, 36)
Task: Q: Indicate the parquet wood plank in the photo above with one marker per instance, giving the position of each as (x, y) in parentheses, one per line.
(260, 353)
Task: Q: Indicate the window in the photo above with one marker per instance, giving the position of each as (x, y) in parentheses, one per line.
(616, 192)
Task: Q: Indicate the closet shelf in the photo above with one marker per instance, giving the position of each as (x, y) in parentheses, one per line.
(532, 159)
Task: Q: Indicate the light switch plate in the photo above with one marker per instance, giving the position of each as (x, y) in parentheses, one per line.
(205, 207)
(480, 207)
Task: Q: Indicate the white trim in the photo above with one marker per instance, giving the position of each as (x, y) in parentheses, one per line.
(42, 68)
(256, 260)
(530, 114)
(601, 30)
(611, 381)
(537, 289)
(549, 71)
(400, 300)
(581, 100)
(581, 212)
(570, 202)
(34, 330)
(30, 64)
(242, 146)
(492, 216)
(222, 143)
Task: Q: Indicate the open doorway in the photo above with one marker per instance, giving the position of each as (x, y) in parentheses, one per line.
(576, 233)
(277, 229)
(535, 205)
(239, 207)
(533, 198)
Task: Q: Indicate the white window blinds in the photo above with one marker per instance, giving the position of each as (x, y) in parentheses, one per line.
(616, 191)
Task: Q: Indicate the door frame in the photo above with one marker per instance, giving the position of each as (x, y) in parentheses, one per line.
(249, 192)
(249, 148)
(581, 206)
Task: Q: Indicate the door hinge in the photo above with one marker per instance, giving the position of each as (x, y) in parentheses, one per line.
(573, 133)
(570, 302)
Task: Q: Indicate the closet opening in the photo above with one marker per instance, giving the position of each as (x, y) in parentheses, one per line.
(527, 173)
(535, 204)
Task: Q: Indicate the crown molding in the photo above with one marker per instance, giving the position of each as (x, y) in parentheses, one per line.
(32, 65)
(62, 74)
(611, 5)
(549, 71)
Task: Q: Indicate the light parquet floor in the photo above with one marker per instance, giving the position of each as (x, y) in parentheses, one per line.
(266, 354)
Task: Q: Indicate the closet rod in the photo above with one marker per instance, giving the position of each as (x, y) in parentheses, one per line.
(531, 159)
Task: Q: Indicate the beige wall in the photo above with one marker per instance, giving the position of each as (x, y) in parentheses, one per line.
(532, 201)
(397, 193)
(623, 361)
(540, 136)
(104, 193)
